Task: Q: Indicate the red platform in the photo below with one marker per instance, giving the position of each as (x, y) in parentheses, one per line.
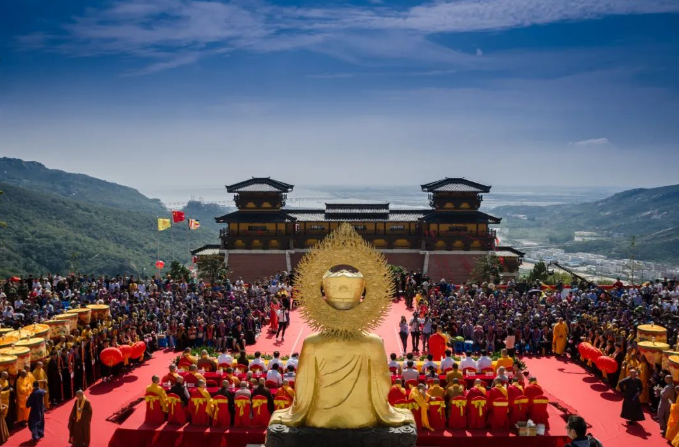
(134, 433)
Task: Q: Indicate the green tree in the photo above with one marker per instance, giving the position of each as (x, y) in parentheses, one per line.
(539, 272)
(74, 264)
(211, 267)
(179, 271)
(487, 269)
(2, 224)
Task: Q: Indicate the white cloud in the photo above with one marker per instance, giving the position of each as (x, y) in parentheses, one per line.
(592, 142)
(154, 29)
(479, 52)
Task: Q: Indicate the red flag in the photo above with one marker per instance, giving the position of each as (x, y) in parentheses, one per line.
(178, 216)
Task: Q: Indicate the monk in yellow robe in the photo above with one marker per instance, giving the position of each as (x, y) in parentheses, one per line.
(40, 375)
(418, 395)
(672, 432)
(630, 362)
(560, 337)
(171, 376)
(644, 371)
(504, 360)
(209, 408)
(24, 388)
(286, 391)
(435, 390)
(193, 369)
(231, 377)
(156, 389)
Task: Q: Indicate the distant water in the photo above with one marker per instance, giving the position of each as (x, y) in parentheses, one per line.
(398, 196)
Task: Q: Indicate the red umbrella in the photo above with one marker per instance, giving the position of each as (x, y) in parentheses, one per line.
(111, 356)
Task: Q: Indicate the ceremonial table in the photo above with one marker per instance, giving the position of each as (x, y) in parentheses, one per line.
(469, 380)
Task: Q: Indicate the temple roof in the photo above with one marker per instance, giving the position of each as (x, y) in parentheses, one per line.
(460, 216)
(355, 215)
(507, 251)
(260, 184)
(455, 185)
(206, 250)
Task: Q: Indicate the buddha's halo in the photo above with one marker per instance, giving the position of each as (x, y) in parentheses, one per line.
(344, 247)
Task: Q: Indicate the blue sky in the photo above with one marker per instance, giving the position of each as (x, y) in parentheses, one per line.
(161, 93)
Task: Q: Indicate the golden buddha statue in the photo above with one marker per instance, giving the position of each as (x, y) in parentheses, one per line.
(343, 380)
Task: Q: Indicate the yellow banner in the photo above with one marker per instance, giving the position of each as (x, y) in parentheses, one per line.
(164, 224)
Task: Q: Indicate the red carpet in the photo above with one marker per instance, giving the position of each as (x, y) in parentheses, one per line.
(594, 401)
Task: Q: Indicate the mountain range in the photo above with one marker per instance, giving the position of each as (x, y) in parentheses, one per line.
(650, 216)
(61, 222)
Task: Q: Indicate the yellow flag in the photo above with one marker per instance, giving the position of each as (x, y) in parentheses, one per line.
(163, 224)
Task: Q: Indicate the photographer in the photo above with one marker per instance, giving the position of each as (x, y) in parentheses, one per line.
(576, 428)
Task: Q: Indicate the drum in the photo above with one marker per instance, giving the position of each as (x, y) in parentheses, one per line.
(84, 315)
(23, 355)
(21, 333)
(646, 332)
(666, 358)
(652, 351)
(7, 341)
(100, 311)
(37, 348)
(39, 330)
(71, 318)
(674, 367)
(9, 363)
(58, 328)
(5, 330)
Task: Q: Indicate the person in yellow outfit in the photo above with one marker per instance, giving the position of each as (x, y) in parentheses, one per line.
(172, 376)
(209, 408)
(286, 391)
(156, 389)
(40, 376)
(24, 388)
(672, 432)
(560, 337)
(644, 371)
(418, 395)
(193, 369)
(627, 364)
(504, 360)
(435, 389)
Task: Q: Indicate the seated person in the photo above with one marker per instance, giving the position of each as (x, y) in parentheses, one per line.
(533, 390)
(187, 358)
(205, 362)
(274, 375)
(447, 362)
(171, 376)
(397, 392)
(276, 360)
(410, 373)
(502, 375)
(193, 370)
(435, 389)
(468, 362)
(231, 377)
(180, 390)
(293, 361)
(431, 373)
(504, 360)
(156, 389)
(262, 390)
(409, 358)
(243, 389)
(497, 390)
(394, 364)
(429, 363)
(225, 357)
(455, 373)
(455, 389)
(286, 390)
(290, 374)
(477, 390)
(484, 362)
(258, 361)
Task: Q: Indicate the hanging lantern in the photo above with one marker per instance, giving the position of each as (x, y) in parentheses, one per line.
(160, 264)
(582, 349)
(111, 356)
(126, 350)
(138, 350)
(15, 279)
(606, 365)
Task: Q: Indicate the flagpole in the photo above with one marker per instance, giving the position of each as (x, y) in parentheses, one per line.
(172, 238)
(158, 246)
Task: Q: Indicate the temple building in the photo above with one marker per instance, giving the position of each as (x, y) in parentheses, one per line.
(443, 241)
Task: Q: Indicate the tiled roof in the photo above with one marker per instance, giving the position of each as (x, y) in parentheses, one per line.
(506, 254)
(513, 250)
(346, 216)
(206, 250)
(259, 184)
(455, 185)
(363, 208)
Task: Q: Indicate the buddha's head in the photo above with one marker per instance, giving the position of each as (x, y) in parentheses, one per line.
(343, 288)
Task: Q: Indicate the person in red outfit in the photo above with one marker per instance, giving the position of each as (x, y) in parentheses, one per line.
(533, 389)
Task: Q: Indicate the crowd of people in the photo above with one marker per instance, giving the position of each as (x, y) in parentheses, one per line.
(179, 314)
(526, 319)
